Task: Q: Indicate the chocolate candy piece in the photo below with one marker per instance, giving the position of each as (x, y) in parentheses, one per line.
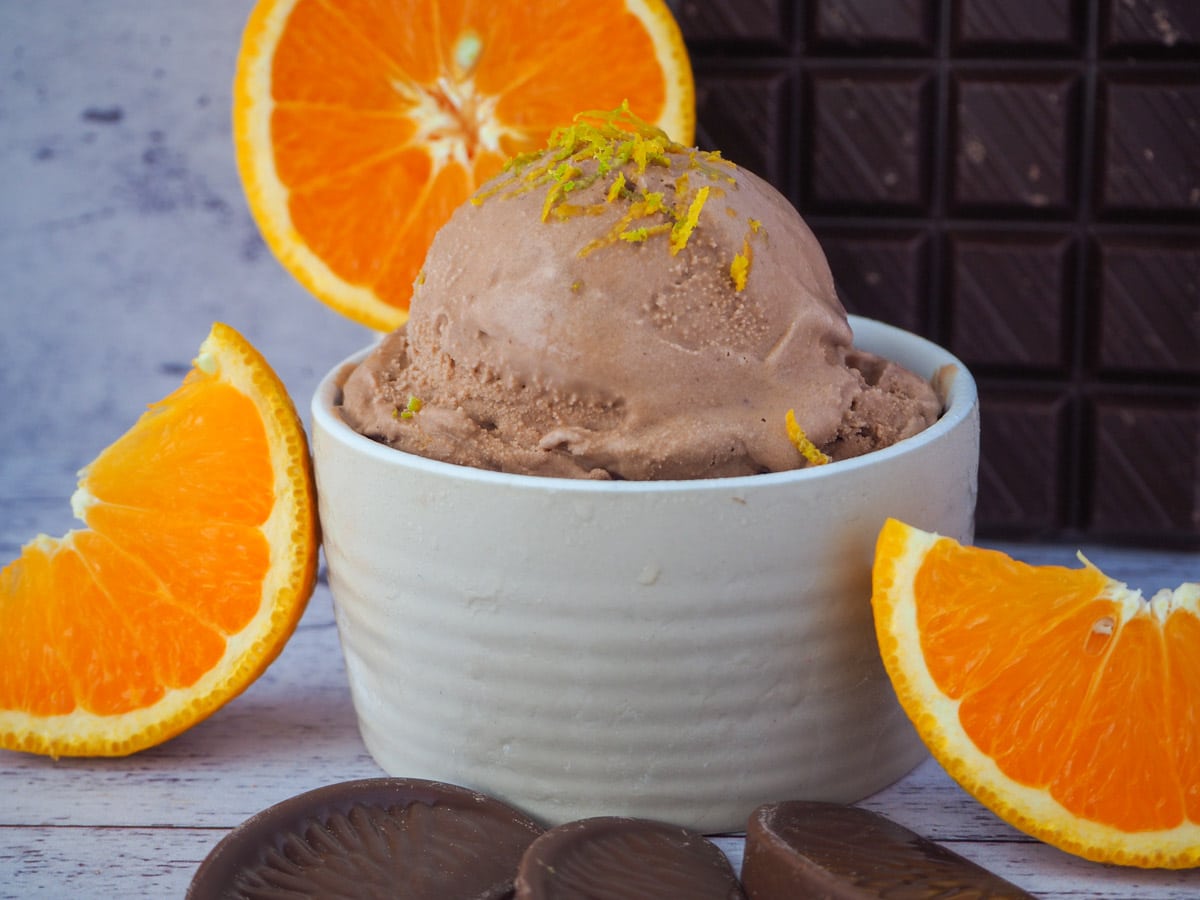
(624, 859)
(809, 849)
(378, 837)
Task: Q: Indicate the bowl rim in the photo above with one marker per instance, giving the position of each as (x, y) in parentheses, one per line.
(960, 402)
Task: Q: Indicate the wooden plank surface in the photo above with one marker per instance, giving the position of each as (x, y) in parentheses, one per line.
(139, 827)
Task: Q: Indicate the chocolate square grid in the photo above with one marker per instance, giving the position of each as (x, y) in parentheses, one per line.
(1145, 468)
(1149, 309)
(881, 274)
(870, 140)
(1020, 182)
(1014, 143)
(854, 25)
(1009, 298)
(746, 114)
(1023, 441)
(1013, 27)
(765, 21)
(1150, 27)
(1150, 145)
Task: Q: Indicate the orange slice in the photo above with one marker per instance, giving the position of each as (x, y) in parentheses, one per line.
(1061, 699)
(199, 558)
(361, 124)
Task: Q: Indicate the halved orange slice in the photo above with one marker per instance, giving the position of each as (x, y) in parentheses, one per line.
(1061, 699)
(361, 124)
(198, 559)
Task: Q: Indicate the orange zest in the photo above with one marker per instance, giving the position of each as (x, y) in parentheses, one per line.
(361, 125)
(604, 147)
(812, 454)
(198, 558)
(1061, 699)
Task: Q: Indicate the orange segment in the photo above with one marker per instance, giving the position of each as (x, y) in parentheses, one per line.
(226, 568)
(198, 559)
(175, 638)
(33, 678)
(185, 470)
(361, 124)
(1061, 699)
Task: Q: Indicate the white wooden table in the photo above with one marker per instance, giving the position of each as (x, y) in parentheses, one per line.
(140, 826)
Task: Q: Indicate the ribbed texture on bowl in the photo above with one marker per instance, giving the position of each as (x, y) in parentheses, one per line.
(677, 651)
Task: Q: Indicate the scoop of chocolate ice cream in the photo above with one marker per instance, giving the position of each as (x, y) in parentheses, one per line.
(620, 306)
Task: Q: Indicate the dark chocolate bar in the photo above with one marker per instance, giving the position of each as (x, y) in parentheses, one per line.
(1019, 182)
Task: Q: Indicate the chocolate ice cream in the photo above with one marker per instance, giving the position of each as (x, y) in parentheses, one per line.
(622, 306)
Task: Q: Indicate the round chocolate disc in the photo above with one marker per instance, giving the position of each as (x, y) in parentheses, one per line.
(376, 837)
(616, 858)
(812, 849)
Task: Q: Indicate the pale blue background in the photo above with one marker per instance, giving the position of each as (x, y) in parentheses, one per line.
(123, 235)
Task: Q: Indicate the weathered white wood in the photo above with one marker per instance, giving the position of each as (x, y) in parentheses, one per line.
(292, 730)
(140, 826)
(67, 863)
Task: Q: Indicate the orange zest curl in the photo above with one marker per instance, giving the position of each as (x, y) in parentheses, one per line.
(739, 269)
(811, 453)
(683, 228)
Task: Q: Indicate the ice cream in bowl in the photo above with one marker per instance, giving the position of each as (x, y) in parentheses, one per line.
(599, 519)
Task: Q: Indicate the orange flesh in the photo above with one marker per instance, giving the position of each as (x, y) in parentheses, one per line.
(365, 194)
(198, 460)
(1100, 720)
(1180, 640)
(200, 452)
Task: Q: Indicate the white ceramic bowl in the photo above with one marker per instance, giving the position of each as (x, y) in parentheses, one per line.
(679, 650)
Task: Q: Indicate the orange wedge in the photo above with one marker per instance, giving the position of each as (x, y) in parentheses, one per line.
(198, 559)
(361, 124)
(1061, 699)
